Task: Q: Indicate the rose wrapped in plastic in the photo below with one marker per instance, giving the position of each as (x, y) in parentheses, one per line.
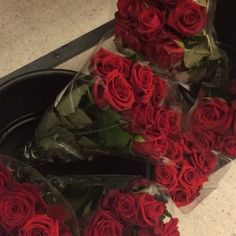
(29, 205)
(176, 37)
(103, 110)
(119, 205)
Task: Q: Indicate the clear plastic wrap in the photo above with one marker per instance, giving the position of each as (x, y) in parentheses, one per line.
(29, 205)
(119, 205)
(120, 107)
(176, 37)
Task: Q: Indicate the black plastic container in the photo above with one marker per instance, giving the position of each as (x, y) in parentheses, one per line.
(24, 100)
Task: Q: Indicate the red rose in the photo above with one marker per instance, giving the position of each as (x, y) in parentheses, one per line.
(123, 205)
(233, 108)
(227, 145)
(188, 18)
(159, 90)
(183, 195)
(187, 143)
(165, 53)
(152, 148)
(16, 208)
(104, 223)
(149, 211)
(113, 91)
(150, 231)
(166, 174)
(170, 3)
(171, 228)
(161, 124)
(205, 162)
(142, 80)
(40, 225)
(125, 35)
(150, 21)
(141, 118)
(128, 9)
(104, 62)
(189, 176)
(167, 121)
(174, 151)
(5, 177)
(213, 114)
(203, 140)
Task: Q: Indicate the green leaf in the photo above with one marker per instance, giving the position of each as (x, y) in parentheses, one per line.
(195, 56)
(110, 133)
(80, 119)
(139, 138)
(70, 101)
(86, 142)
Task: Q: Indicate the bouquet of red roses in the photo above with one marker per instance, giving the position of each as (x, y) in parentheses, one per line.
(119, 107)
(29, 205)
(176, 36)
(118, 205)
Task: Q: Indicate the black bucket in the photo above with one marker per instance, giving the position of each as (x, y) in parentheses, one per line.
(23, 101)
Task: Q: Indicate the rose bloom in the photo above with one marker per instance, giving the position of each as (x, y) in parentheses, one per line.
(152, 148)
(151, 231)
(165, 53)
(212, 114)
(183, 195)
(170, 228)
(174, 151)
(142, 81)
(104, 62)
(103, 223)
(149, 211)
(150, 21)
(189, 176)
(205, 162)
(159, 90)
(16, 208)
(140, 118)
(233, 109)
(227, 145)
(166, 175)
(128, 9)
(167, 121)
(5, 178)
(188, 18)
(113, 91)
(203, 140)
(123, 205)
(40, 225)
(125, 36)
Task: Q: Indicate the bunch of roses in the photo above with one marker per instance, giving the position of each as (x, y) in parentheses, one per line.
(157, 28)
(123, 213)
(23, 212)
(157, 130)
(212, 130)
(122, 84)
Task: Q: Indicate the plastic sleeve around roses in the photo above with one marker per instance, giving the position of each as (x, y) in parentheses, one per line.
(122, 204)
(109, 104)
(22, 187)
(192, 177)
(178, 37)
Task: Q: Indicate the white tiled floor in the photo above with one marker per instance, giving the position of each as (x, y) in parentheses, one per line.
(29, 29)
